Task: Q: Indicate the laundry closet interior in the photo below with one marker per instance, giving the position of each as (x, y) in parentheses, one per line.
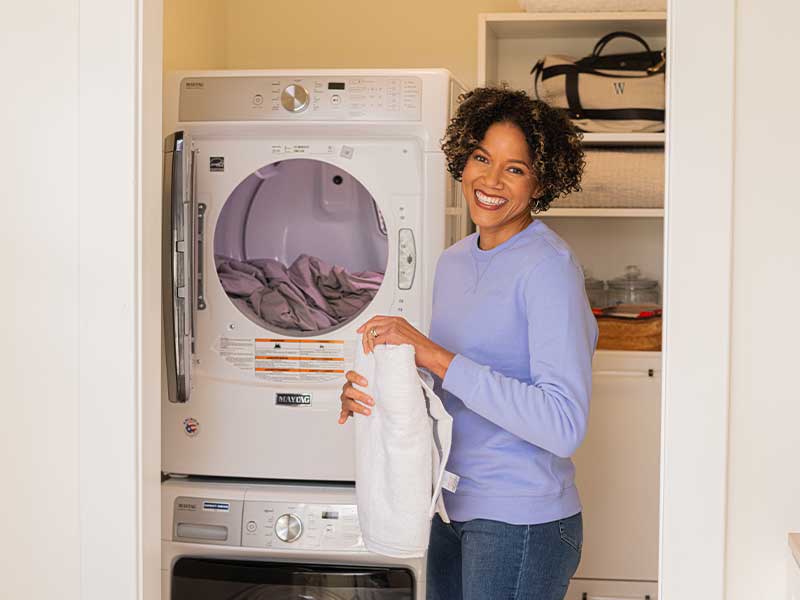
(272, 163)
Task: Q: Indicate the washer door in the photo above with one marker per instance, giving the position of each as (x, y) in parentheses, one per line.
(218, 579)
(300, 247)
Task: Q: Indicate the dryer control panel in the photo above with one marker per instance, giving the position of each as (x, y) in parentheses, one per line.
(267, 524)
(371, 98)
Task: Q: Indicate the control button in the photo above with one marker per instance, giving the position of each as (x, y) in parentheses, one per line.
(258, 100)
(295, 98)
(336, 99)
(288, 528)
(251, 526)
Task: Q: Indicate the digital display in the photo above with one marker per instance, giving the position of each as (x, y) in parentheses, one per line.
(329, 514)
(335, 85)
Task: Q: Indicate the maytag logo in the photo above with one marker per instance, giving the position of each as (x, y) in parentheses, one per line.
(292, 399)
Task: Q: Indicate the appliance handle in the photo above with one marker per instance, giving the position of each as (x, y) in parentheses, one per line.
(634, 374)
(177, 266)
(195, 531)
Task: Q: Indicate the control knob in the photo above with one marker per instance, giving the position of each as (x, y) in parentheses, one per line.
(294, 98)
(288, 528)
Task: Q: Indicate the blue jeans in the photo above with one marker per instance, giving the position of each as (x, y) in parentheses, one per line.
(482, 559)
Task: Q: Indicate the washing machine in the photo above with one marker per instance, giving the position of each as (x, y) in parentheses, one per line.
(297, 205)
(258, 541)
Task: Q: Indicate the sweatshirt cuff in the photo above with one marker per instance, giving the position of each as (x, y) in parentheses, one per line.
(462, 377)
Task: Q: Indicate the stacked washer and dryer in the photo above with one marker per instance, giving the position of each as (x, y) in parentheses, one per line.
(297, 204)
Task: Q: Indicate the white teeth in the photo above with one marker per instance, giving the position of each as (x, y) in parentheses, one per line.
(488, 199)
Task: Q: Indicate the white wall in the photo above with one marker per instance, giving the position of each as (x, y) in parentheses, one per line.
(39, 428)
(80, 354)
(764, 446)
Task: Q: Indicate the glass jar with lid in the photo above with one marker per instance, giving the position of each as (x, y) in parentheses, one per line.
(632, 288)
(595, 290)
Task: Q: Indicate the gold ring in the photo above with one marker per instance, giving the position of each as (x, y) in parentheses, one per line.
(373, 332)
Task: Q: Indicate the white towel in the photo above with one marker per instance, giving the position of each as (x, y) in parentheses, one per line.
(401, 453)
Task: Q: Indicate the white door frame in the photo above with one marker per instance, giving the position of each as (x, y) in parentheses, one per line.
(697, 269)
(698, 247)
(119, 179)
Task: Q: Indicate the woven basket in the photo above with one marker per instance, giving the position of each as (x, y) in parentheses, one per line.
(630, 178)
(629, 334)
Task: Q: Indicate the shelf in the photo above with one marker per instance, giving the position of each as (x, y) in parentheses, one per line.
(628, 353)
(514, 25)
(623, 139)
(603, 212)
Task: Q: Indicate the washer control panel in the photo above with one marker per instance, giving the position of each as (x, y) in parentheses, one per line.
(332, 527)
(372, 98)
(267, 524)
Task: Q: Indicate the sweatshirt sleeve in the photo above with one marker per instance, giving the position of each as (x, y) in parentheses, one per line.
(552, 410)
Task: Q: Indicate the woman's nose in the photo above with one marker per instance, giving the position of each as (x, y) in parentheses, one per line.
(492, 176)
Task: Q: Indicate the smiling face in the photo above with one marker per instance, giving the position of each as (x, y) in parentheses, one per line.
(498, 183)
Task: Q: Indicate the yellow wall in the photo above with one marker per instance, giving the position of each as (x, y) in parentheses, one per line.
(194, 34)
(263, 34)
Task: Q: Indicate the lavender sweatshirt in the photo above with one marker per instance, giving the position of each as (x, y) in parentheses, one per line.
(518, 389)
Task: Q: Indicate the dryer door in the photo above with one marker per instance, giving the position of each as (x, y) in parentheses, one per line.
(218, 579)
(179, 260)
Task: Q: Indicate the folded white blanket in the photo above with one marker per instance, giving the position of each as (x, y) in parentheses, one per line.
(401, 453)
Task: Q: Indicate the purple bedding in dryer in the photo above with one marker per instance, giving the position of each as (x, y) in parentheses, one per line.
(310, 295)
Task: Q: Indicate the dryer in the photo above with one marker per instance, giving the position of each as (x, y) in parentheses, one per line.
(297, 204)
(252, 541)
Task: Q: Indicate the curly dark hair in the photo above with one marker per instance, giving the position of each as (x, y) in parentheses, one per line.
(553, 142)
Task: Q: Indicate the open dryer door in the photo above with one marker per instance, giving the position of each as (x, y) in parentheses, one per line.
(179, 260)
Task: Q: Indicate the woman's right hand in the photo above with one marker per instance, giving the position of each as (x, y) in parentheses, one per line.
(353, 400)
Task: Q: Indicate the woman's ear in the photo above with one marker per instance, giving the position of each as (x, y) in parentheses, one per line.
(536, 205)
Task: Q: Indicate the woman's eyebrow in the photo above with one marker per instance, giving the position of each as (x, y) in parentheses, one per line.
(515, 160)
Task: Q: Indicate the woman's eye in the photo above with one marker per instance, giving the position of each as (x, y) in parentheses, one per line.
(516, 171)
(480, 158)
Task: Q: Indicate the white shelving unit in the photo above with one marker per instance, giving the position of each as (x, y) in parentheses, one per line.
(509, 44)
(604, 212)
(618, 465)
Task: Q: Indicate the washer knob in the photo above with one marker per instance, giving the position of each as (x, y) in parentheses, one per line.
(295, 98)
(288, 528)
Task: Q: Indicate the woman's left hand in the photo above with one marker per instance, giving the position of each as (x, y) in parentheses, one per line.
(396, 330)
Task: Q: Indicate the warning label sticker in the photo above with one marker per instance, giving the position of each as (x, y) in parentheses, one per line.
(279, 359)
(238, 352)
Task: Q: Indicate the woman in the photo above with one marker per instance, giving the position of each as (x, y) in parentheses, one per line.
(511, 344)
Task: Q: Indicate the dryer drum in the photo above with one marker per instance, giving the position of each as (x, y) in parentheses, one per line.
(300, 247)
